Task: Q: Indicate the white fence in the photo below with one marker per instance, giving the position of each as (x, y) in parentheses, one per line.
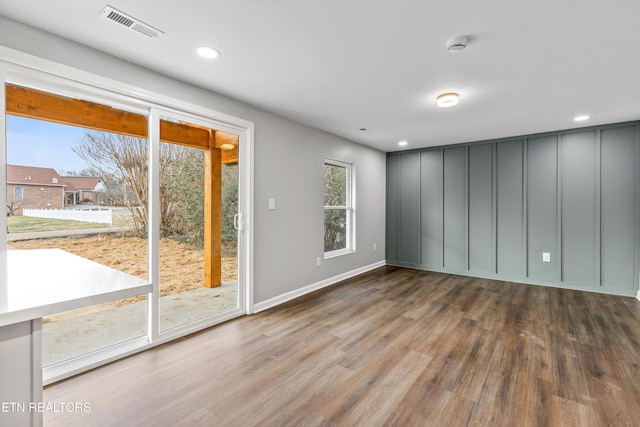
(97, 215)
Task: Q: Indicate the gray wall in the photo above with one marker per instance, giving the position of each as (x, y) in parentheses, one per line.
(492, 208)
(288, 166)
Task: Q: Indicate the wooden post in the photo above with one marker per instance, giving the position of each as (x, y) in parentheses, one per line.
(212, 215)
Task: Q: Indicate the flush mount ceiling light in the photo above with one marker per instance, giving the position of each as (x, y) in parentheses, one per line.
(447, 99)
(457, 44)
(208, 52)
(581, 118)
(402, 143)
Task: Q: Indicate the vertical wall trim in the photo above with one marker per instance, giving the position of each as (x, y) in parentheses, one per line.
(637, 213)
(598, 227)
(494, 206)
(559, 272)
(420, 207)
(443, 236)
(467, 206)
(525, 204)
(399, 193)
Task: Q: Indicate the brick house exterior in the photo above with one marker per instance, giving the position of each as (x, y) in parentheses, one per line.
(32, 187)
(84, 189)
(42, 188)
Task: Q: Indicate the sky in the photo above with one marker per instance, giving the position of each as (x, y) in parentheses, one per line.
(38, 143)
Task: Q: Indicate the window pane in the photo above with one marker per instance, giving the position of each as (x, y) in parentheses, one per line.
(335, 185)
(82, 191)
(188, 293)
(335, 229)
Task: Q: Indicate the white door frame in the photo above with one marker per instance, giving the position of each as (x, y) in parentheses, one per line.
(31, 71)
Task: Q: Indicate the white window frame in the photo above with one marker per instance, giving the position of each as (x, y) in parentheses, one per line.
(349, 208)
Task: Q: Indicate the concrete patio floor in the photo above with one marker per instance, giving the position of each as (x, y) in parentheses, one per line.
(66, 336)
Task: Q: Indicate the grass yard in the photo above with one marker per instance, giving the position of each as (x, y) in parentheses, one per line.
(27, 224)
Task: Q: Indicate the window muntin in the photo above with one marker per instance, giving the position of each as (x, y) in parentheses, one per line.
(338, 208)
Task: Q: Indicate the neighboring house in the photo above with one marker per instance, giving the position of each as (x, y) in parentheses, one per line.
(33, 187)
(43, 188)
(84, 189)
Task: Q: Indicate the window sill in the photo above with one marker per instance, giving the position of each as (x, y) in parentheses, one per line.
(337, 253)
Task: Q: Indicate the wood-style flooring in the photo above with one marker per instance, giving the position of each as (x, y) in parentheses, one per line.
(392, 347)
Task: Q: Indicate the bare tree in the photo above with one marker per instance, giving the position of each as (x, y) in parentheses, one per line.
(14, 206)
(123, 160)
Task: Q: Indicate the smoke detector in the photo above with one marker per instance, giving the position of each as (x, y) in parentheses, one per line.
(457, 44)
(114, 15)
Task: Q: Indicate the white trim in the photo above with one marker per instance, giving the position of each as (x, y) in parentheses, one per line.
(245, 206)
(3, 193)
(153, 224)
(350, 246)
(288, 296)
(638, 296)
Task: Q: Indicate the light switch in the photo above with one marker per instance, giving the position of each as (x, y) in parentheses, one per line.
(546, 257)
(272, 204)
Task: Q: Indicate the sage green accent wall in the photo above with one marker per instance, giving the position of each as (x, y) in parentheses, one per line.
(493, 208)
(431, 219)
(455, 253)
(510, 229)
(481, 257)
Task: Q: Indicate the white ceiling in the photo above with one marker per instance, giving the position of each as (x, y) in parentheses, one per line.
(340, 65)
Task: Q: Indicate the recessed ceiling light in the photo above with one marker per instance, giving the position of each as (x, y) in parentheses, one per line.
(581, 118)
(208, 52)
(447, 99)
(402, 143)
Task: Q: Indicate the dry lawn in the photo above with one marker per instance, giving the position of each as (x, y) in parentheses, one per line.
(181, 266)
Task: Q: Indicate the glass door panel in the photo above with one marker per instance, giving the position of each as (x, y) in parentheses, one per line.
(198, 242)
(76, 182)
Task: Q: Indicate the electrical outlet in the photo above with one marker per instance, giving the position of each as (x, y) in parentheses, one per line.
(375, 247)
(546, 257)
(318, 262)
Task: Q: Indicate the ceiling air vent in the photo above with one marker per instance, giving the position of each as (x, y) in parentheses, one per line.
(130, 22)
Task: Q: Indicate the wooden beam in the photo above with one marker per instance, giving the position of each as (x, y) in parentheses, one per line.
(212, 218)
(184, 134)
(35, 104)
(223, 140)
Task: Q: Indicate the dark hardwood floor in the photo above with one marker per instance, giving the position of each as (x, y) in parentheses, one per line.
(393, 347)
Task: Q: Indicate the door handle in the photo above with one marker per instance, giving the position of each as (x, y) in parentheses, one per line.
(238, 222)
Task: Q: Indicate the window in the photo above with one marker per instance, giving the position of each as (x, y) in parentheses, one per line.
(17, 192)
(338, 209)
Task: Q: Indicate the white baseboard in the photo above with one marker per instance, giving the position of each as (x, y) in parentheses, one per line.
(288, 296)
(638, 296)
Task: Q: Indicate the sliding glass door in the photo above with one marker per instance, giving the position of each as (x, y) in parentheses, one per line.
(151, 193)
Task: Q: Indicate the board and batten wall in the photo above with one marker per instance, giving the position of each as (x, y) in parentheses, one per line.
(491, 209)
